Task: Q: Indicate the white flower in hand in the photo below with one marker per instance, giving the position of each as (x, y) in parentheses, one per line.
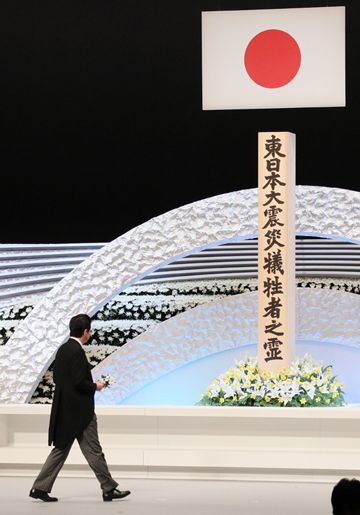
(107, 380)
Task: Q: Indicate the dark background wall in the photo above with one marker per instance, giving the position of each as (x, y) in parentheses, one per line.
(102, 126)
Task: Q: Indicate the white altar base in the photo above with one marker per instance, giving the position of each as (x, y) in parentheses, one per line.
(196, 442)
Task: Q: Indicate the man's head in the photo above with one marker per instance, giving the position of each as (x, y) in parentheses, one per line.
(80, 327)
(345, 497)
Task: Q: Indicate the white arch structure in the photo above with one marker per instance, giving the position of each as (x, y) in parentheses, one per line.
(27, 355)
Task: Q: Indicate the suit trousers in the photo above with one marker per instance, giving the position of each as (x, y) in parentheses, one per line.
(92, 451)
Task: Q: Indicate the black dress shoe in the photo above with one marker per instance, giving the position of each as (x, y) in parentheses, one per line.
(40, 494)
(115, 494)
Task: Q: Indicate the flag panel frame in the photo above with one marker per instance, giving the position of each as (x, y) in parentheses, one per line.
(320, 81)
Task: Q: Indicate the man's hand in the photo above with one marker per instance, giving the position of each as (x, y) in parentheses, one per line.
(99, 386)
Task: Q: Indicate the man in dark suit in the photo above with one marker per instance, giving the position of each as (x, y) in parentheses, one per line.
(345, 497)
(73, 417)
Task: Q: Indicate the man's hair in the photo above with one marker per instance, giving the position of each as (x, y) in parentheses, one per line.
(345, 497)
(78, 324)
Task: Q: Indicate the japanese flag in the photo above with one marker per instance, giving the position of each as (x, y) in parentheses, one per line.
(273, 58)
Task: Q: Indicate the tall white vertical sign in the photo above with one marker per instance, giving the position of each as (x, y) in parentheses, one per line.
(276, 253)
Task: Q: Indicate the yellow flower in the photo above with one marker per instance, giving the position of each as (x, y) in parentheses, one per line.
(201, 396)
(221, 400)
(318, 399)
(306, 374)
(280, 399)
(216, 381)
(253, 396)
(302, 401)
(335, 394)
(267, 398)
(235, 398)
(327, 401)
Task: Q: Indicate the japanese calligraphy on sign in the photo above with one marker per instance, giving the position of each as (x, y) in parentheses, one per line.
(276, 252)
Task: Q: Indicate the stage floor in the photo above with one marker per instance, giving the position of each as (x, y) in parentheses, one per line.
(175, 497)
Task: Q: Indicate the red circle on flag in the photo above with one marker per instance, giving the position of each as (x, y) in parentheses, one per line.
(272, 58)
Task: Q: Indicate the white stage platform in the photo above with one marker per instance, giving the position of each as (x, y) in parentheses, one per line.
(149, 496)
(195, 442)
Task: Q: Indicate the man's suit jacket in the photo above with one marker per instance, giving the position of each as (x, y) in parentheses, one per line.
(73, 404)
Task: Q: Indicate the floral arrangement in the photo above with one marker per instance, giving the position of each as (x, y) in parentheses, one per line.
(116, 333)
(15, 312)
(6, 333)
(306, 383)
(107, 380)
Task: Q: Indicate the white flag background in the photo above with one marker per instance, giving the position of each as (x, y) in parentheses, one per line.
(273, 58)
